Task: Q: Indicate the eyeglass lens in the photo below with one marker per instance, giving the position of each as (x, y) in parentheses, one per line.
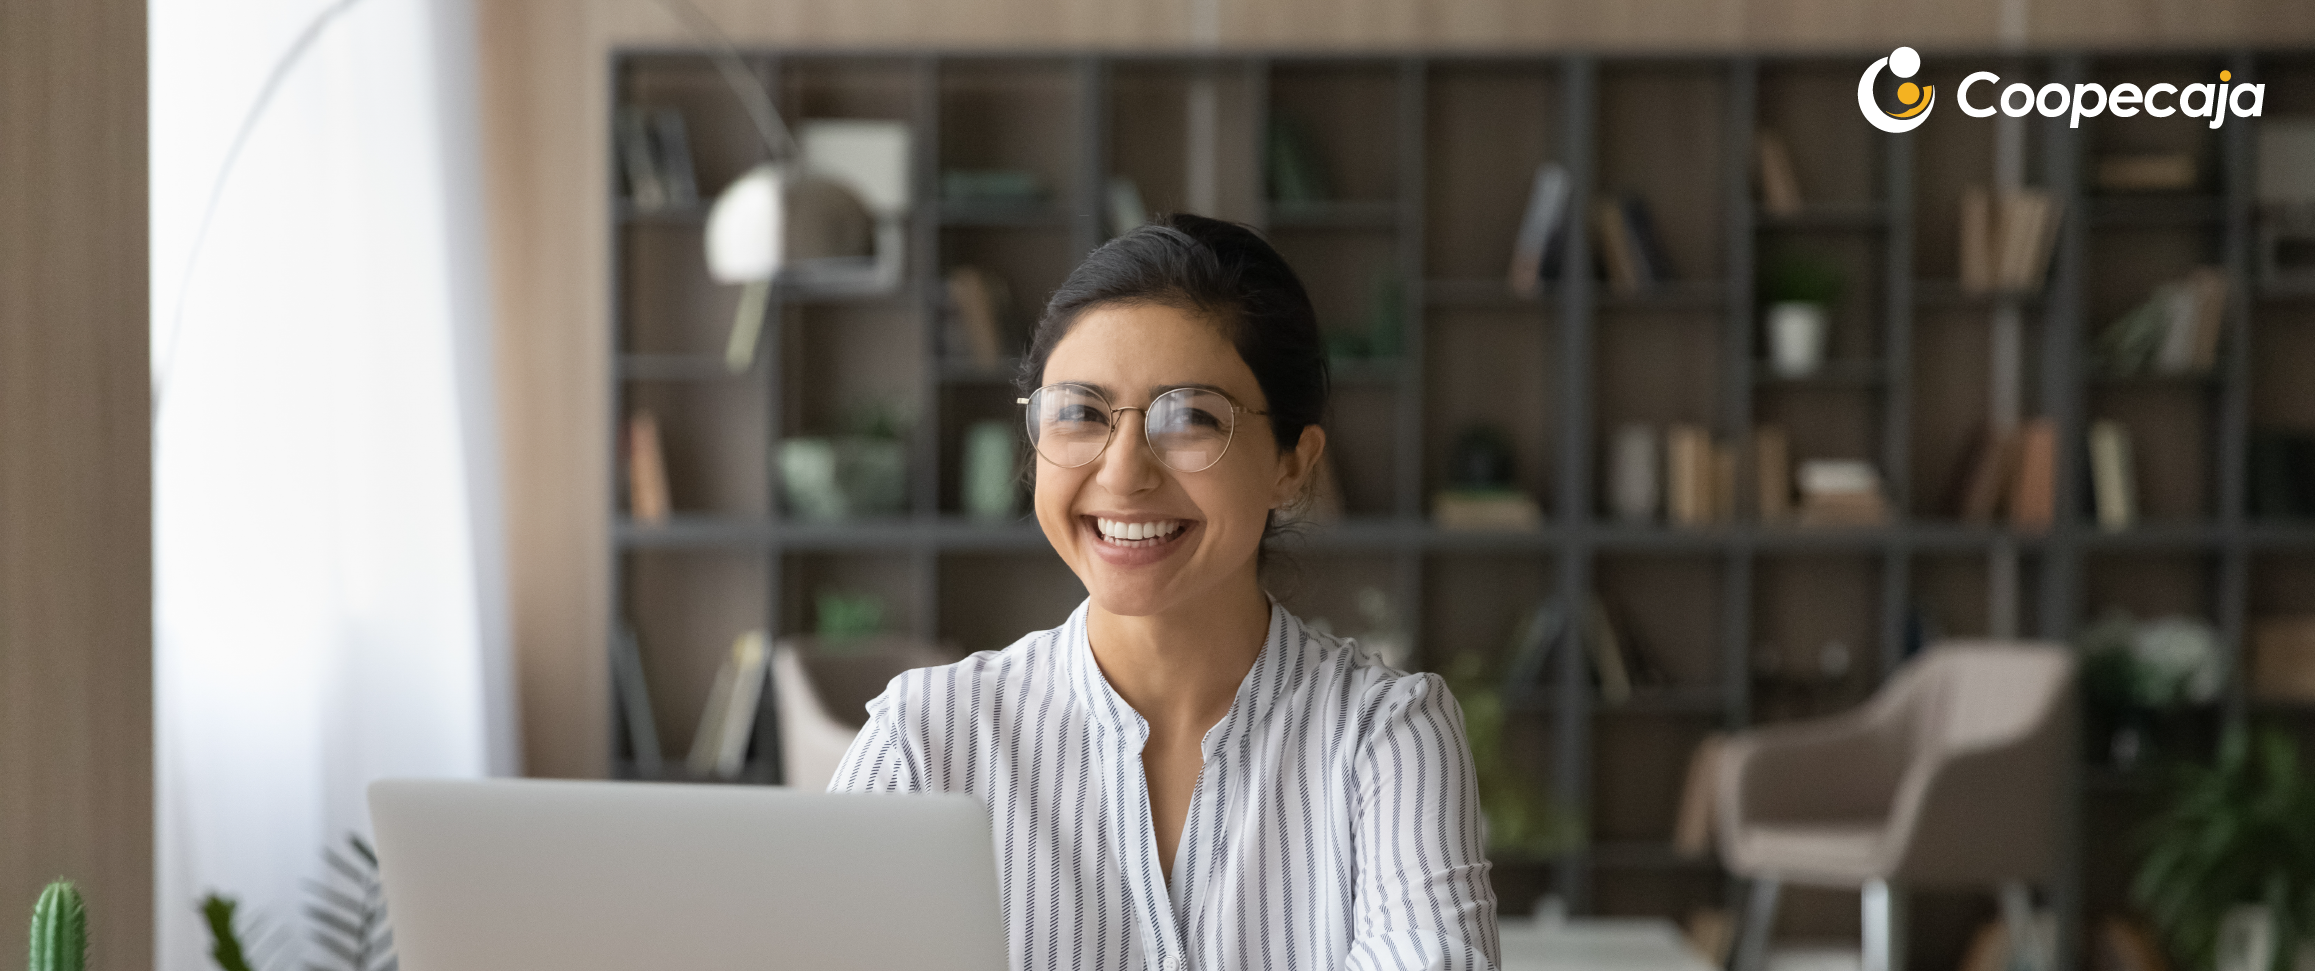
(1188, 428)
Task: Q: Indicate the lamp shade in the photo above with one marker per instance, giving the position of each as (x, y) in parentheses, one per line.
(746, 229)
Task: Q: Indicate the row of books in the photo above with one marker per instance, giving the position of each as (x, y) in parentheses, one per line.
(2006, 239)
(1694, 479)
(2013, 473)
(2176, 331)
(720, 747)
(1618, 662)
(1631, 251)
(655, 158)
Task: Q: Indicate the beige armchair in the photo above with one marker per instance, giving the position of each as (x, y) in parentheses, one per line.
(1953, 775)
(821, 698)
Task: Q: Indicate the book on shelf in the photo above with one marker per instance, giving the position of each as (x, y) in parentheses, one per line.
(2145, 172)
(635, 702)
(1772, 473)
(2006, 239)
(1607, 652)
(2283, 658)
(2174, 331)
(1635, 487)
(727, 724)
(1496, 510)
(2033, 498)
(1126, 210)
(976, 300)
(1723, 483)
(1631, 251)
(647, 500)
(1650, 258)
(671, 151)
(2113, 484)
(1617, 256)
(1688, 475)
(1977, 237)
(1692, 827)
(655, 158)
(1616, 661)
(1539, 249)
(1780, 188)
(1985, 474)
(638, 161)
(1531, 649)
(1841, 492)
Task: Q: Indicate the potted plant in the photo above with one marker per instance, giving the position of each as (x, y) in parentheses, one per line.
(2229, 870)
(2146, 681)
(1799, 286)
(1523, 820)
(59, 929)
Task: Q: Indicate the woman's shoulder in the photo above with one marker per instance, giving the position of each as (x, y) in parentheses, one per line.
(1354, 674)
(919, 692)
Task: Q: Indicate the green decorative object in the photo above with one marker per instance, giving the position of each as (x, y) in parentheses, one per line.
(350, 918)
(59, 929)
(1800, 276)
(224, 941)
(992, 470)
(847, 617)
(1522, 818)
(2238, 831)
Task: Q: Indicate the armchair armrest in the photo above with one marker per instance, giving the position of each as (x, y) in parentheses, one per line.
(1845, 767)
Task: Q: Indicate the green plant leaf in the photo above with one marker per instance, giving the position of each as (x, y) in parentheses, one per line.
(224, 941)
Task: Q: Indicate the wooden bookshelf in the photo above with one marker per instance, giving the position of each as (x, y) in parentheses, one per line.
(1431, 157)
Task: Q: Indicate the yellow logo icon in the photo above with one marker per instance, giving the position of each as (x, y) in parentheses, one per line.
(1903, 62)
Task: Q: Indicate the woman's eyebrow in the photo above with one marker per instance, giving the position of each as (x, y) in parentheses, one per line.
(1158, 389)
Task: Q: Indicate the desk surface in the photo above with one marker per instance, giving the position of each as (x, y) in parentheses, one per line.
(1598, 944)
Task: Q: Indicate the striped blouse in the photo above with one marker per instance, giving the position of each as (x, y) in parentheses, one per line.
(1335, 823)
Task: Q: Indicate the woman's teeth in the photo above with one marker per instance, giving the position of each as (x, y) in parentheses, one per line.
(1136, 534)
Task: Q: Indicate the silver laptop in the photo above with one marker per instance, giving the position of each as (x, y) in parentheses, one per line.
(627, 876)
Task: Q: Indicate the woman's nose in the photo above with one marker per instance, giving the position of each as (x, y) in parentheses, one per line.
(1127, 467)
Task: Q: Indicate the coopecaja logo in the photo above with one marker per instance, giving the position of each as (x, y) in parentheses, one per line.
(2126, 100)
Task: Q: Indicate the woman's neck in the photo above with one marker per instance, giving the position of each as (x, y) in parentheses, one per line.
(1181, 669)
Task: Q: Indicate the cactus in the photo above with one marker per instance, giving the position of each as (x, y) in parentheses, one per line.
(59, 930)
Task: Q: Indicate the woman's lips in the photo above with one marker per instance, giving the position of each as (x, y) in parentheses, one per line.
(1131, 553)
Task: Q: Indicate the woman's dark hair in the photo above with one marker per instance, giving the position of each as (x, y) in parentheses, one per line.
(1218, 270)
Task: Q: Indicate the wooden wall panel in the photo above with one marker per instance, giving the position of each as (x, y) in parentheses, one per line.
(76, 730)
(546, 90)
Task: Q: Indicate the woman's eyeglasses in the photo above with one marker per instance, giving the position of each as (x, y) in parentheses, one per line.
(1188, 429)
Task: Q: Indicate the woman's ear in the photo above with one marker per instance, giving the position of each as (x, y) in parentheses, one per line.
(1297, 468)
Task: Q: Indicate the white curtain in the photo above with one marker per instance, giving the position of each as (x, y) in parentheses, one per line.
(328, 597)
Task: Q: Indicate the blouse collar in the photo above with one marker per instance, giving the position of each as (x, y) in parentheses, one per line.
(1274, 673)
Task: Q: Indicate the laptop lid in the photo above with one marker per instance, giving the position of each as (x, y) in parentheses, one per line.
(621, 876)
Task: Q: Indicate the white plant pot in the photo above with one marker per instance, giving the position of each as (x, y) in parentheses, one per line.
(1796, 338)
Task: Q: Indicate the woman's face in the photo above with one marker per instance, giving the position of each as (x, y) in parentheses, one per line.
(1202, 529)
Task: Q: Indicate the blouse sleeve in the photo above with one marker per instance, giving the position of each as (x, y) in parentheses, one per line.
(1424, 901)
(878, 760)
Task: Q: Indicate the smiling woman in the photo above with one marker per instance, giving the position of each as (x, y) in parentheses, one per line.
(1182, 775)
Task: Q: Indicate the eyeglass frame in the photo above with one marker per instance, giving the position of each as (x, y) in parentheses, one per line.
(1235, 410)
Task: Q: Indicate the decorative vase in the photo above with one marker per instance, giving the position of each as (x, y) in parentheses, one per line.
(1796, 338)
(991, 490)
(1635, 480)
